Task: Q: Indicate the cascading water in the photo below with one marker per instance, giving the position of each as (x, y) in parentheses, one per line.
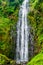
(22, 34)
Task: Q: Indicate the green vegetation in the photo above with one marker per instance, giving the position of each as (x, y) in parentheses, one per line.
(9, 10)
(5, 60)
(36, 22)
(37, 60)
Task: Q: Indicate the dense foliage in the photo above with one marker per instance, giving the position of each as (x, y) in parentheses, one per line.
(36, 22)
(37, 60)
(9, 10)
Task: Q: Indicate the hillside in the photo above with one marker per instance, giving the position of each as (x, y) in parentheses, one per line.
(9, 10)
(9, 15)
(36, 21)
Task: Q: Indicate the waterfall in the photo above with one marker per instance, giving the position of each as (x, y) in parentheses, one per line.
(22, 34)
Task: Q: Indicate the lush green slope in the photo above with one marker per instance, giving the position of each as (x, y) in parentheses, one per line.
(36, 22)
(8, 20)
(37, 60)
(9, 10)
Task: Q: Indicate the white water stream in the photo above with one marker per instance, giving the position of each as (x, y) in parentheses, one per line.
(22, 34)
